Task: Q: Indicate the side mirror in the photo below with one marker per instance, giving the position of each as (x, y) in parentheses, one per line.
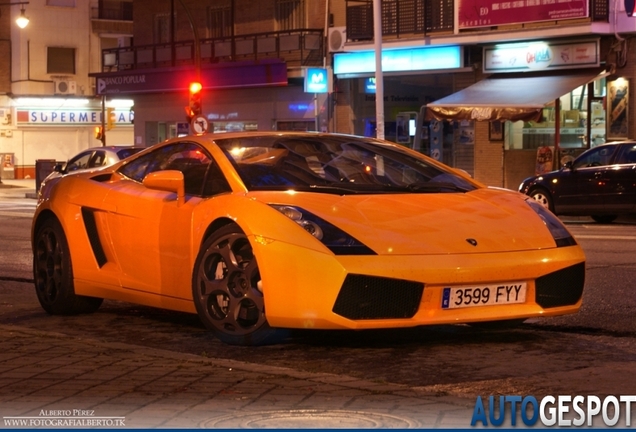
(169, 180)
(567, 165)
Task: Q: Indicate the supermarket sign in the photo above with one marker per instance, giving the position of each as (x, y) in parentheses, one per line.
(487, 13)
(70, 117)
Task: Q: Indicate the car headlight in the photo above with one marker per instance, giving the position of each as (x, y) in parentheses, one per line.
(559, 232)
(338, 241)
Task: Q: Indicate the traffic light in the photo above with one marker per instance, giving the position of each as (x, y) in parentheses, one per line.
(99, 133)
(194, 107)
(110, 118)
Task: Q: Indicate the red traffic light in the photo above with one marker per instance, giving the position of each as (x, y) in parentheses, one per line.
(195, 99)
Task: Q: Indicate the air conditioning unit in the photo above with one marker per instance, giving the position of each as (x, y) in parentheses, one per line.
(336, 38)
(64, 86)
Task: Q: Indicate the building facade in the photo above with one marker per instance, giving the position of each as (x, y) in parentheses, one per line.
(564, 65)
(48, 104)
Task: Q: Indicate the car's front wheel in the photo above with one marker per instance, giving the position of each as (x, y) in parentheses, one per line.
(227, 292)
(543, 197)
(53, 273)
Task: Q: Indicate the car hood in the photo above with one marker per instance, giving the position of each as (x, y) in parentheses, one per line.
(481, 221)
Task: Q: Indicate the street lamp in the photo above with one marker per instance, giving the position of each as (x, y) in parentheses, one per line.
(22, 21)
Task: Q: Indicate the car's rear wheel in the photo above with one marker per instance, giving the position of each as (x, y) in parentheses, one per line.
(604, 219)
(53, 273)
(543, 197)
(227, 293)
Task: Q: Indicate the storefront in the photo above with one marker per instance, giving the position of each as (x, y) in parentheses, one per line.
(238, 96)
(412, 77)
(545, 101)
(57, 128)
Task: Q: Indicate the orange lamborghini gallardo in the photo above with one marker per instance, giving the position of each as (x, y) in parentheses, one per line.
(258, 233)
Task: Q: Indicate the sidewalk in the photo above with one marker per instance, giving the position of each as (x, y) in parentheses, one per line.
(23, 188)
(51, 379)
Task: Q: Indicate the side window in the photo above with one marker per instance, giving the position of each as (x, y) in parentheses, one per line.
(189, 158)
(97, 159)
(599, 156)
(627, 155)
(79, 162)
(215, 182)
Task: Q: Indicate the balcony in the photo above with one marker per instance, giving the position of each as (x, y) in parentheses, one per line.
(416, 18)
(114, 10)
(297, 48)
(400, 18)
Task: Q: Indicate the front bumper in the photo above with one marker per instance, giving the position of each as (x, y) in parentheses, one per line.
(307, 289)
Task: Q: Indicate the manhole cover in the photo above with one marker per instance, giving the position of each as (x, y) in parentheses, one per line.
(309, 419)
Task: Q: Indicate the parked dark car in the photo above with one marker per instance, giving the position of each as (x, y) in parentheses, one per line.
(600, 183)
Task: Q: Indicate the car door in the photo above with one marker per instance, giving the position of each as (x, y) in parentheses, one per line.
(620, 179)
(150, 230)
(589, 172)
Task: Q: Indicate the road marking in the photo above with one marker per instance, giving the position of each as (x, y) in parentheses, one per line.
(604, 237)
(16, 214)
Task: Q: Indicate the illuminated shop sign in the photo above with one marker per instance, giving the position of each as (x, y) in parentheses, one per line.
(399, 60)
(520, 57)
(316, 80)
(369, 85)
(70, 117)
(488, 13)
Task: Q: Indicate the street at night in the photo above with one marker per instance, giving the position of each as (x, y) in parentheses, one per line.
(589, 353)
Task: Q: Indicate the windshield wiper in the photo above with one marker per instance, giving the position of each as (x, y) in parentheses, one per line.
(330, 189)
(435, 187)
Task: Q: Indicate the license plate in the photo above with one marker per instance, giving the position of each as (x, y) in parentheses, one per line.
(484, 295)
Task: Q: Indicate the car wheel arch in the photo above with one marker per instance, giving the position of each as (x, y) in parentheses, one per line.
(214, 226)
(534, 190)
(44, 216)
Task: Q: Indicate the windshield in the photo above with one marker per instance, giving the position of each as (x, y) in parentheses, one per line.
(335, 164)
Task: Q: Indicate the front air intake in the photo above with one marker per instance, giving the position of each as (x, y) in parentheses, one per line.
(561, 288)
(372, 297)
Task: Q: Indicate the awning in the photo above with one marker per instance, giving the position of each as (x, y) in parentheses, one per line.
(510, 96)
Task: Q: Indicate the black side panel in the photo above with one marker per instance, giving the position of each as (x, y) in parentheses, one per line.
(88, 215)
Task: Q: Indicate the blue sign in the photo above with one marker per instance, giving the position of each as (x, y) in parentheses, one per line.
(399, 60)
(316, 80)
(369, 85)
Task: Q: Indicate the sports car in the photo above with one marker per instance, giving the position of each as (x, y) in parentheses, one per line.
(263, 232)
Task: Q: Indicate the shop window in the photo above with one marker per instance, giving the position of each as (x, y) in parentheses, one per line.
(234, 126)
(60, 60)
(296, 125)
(576, 111)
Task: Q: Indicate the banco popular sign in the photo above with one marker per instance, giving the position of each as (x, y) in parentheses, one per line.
(68, 117)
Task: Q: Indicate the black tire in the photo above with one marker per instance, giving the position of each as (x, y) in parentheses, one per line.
(498, 325)
(543, 197)
(226, 292)
(53, 273)
(604, 219)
